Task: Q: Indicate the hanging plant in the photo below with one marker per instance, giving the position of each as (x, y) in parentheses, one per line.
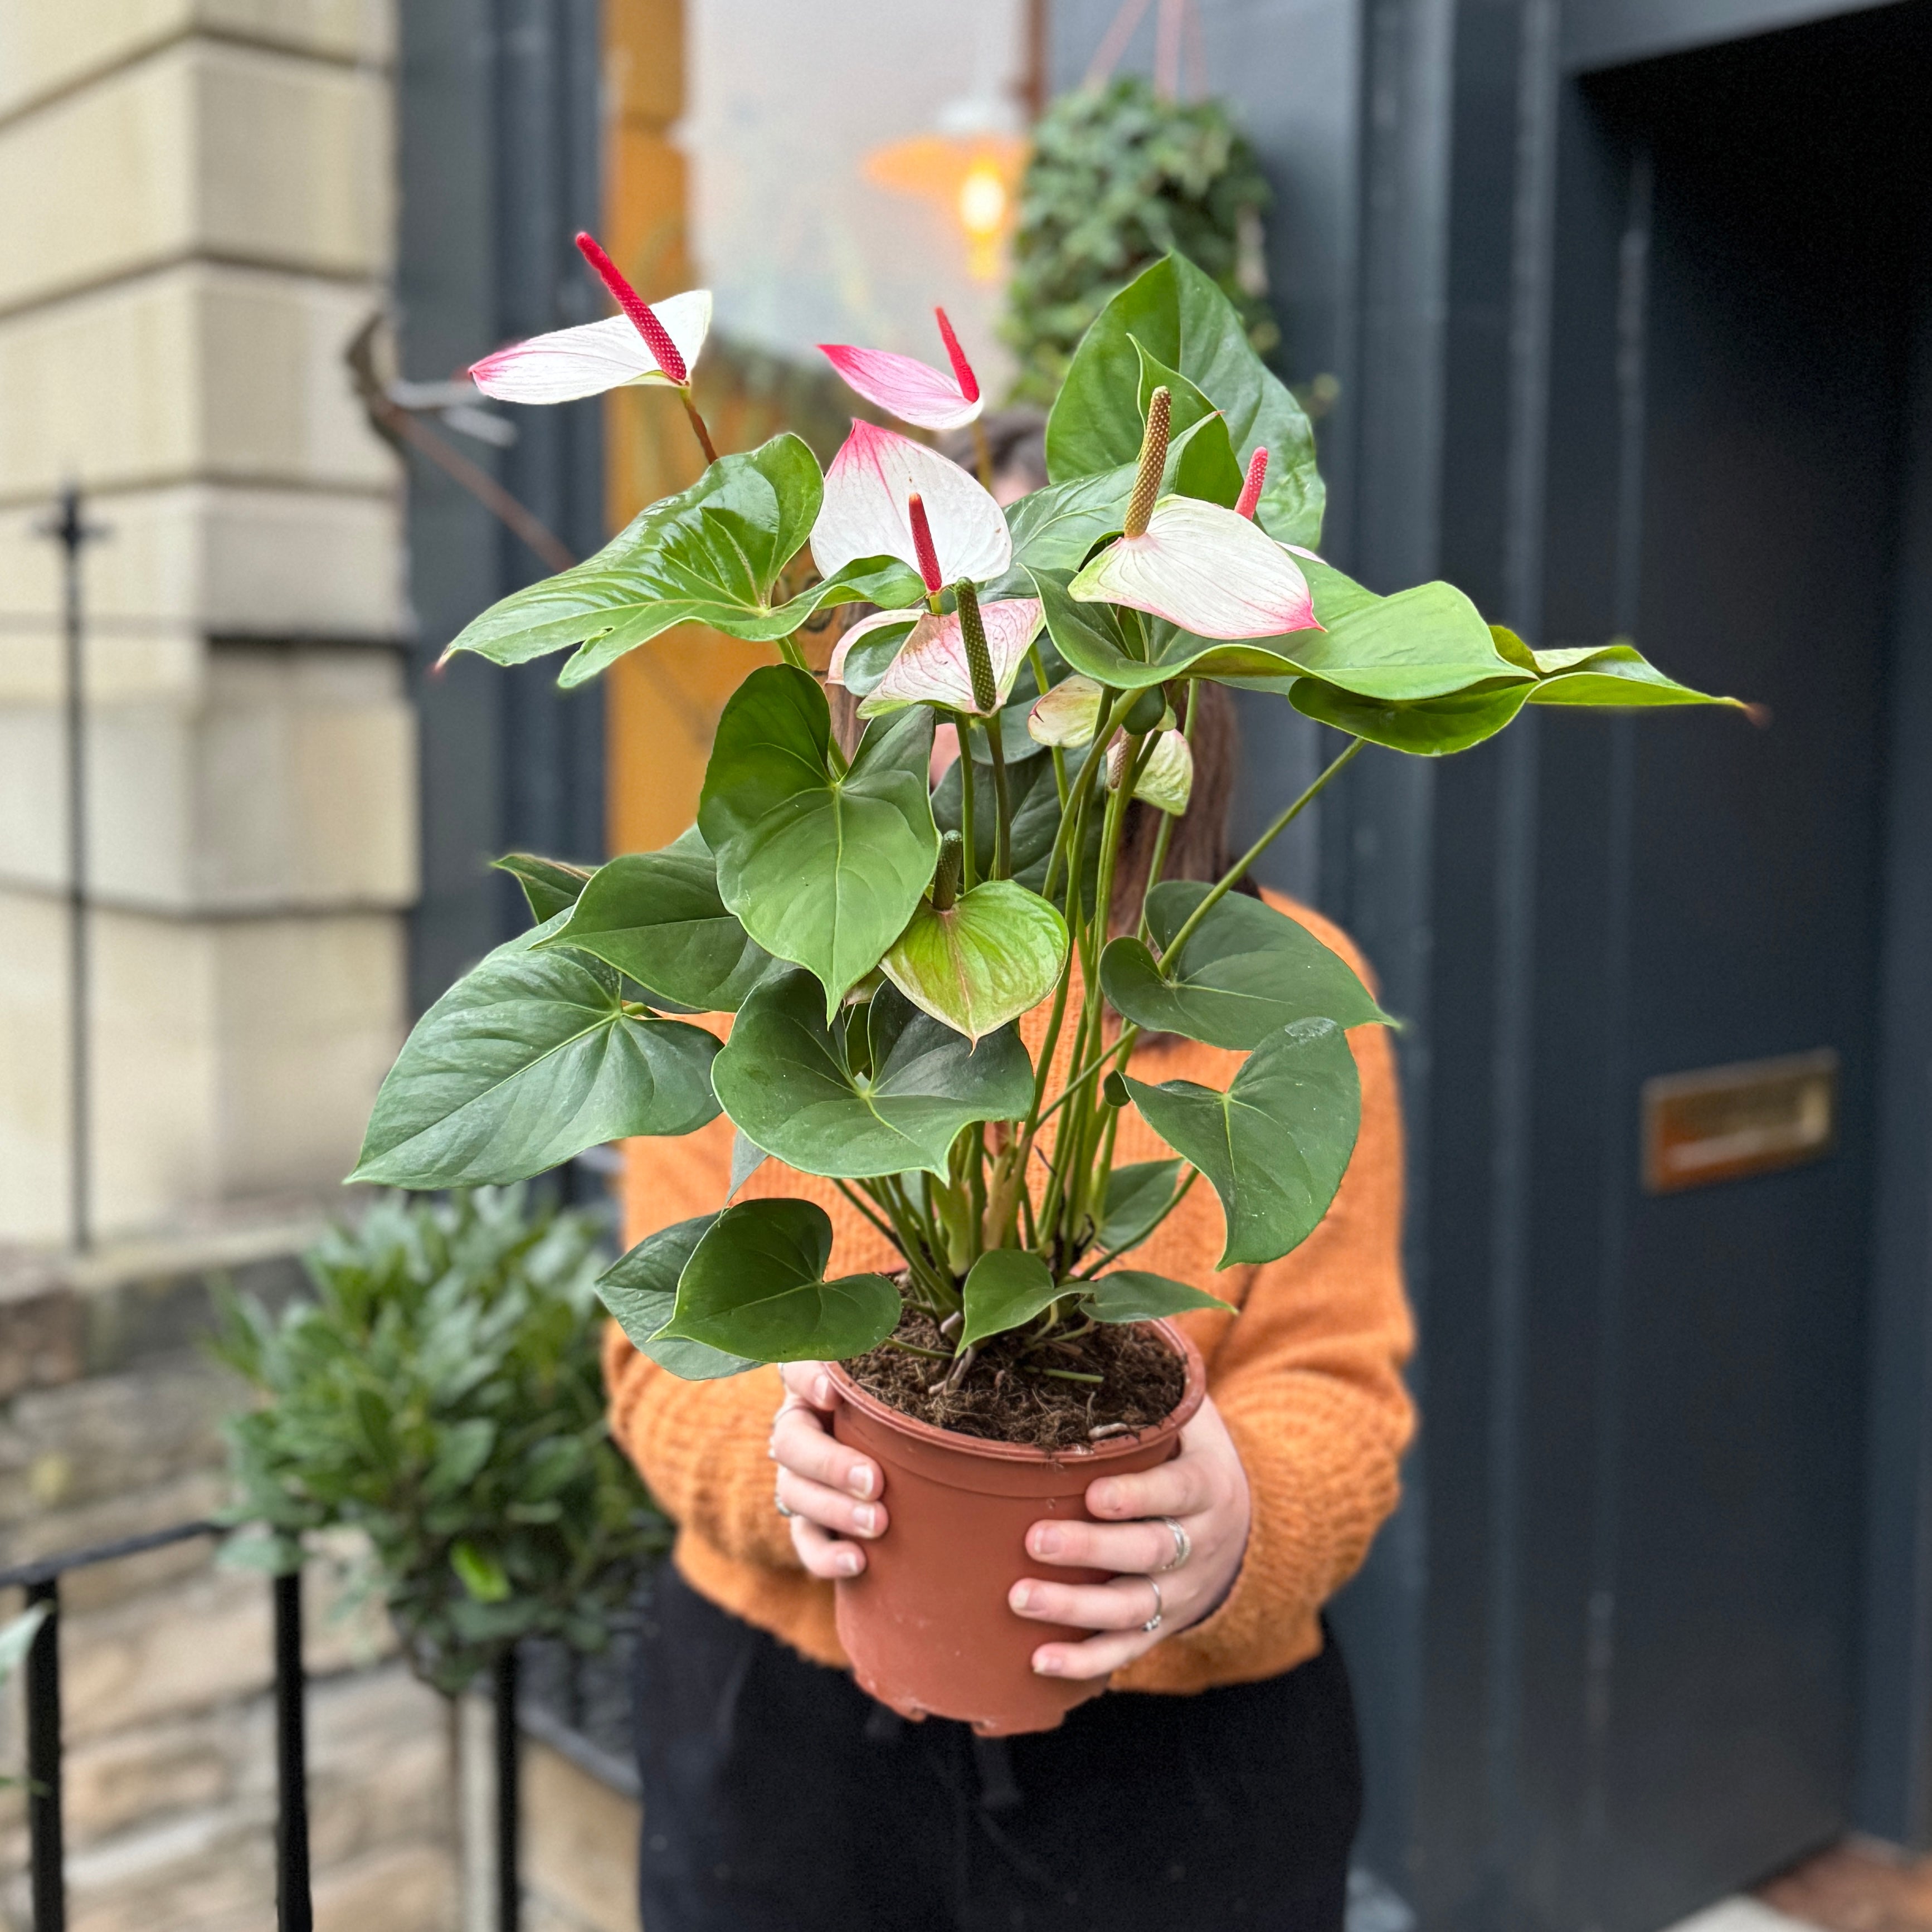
(1119, 178)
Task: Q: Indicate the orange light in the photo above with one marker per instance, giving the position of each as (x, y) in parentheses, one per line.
(973, 178)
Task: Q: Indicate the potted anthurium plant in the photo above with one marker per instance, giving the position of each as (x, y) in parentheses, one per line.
(878, 939)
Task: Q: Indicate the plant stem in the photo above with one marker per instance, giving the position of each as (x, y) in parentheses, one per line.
(1235, 874)
(1003, 830)
(1093, 1268)
(703, 434)
(1053, 751)
(970, 877)
(1165, 835)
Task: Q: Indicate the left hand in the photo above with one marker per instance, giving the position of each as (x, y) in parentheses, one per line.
(1205, 1489)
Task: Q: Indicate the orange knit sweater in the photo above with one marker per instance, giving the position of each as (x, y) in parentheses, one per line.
(1307, 1377)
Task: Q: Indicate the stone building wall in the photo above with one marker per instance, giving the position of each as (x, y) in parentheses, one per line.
(199, 198)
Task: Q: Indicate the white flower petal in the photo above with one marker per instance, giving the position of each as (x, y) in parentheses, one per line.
(864, 513)
(1166, 782)
(1202, 567)
(910, 390)
(834, 672)
(931, 668)
(569, 363)
(1067, 714)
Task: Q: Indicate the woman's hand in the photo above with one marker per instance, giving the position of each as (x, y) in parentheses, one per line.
(1205, 1489)
(832, 1492)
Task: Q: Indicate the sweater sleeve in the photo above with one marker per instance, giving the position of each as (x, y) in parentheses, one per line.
(1308, 1379)
(701, 1446)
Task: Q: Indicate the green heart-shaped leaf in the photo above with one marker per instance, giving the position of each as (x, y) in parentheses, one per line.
(1175, 314)
(641, 1291)
(712, 554)
(549, 886)
(1246, 972)
(1616, 677)
(1005, 1288)
(1129, 1295)
(1137, 1197)
(993, 955)
(786, 1080)
(1433, 729)
(657, 917)
(1276, 1144)
(821, 867)
(529, 1058)
(755, 1286)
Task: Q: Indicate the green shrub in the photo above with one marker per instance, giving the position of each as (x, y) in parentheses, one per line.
(1118, 178)
(442, 1394)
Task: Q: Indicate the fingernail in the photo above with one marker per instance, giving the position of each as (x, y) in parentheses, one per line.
(866, 1517)
(821, 1392)
(859, 1482)
(1105, 1496)
(1045, 1664)
(846, 1562)
(1048, 1543)
(1022, 1597)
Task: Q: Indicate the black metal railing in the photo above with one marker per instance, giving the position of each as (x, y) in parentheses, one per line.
(294, 1909)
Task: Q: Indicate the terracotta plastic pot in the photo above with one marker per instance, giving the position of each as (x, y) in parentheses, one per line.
(927, 1625)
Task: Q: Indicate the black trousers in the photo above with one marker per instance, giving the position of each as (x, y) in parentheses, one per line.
(779, 1797)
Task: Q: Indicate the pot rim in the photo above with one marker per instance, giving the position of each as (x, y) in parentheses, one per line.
(1194, 1392)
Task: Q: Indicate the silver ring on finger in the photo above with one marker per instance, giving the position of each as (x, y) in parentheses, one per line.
(1154, 1622)
(779, 1503)
(1184, 1545)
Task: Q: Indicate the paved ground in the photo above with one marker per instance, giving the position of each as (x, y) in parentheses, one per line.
(1858, 1886)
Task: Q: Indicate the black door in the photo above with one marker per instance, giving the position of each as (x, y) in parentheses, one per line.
(1739, 239)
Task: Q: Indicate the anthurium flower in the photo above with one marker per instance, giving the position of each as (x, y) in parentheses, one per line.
(870, 510)
(649, 342)
(1166, 782)
(914, 391)
(1067, 714)
(1209, 569)
(934, 664)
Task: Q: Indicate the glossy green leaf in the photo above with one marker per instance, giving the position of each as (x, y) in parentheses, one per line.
(1617, 677)
(1054, 529)
(1137, 1197)
(1432, 729)
(755, 1286)
(1128, 1294)
(1176, 315)
(821, 868)
(641, 1291)
(993, 955)
(1006, 1288)
(1213, 472)
(549, 886)
(786, 1081)
(1247, 971)
(480, 1573)
(529, 1058)
(711, 554)
(657, 917)
(1276, 1144)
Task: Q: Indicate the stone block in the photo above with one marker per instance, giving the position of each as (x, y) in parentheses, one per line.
(195, 372)
(290, 783)
(581, 1840)
(411, 1889)
(203, 148)
(178, 563)
(232, 1058)
(47, 49)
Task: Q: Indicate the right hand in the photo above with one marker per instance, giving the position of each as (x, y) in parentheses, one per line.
(832, 1492)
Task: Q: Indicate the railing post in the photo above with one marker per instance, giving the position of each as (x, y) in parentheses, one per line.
(509, 1879)
(294, 1909)
(43, 1763)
